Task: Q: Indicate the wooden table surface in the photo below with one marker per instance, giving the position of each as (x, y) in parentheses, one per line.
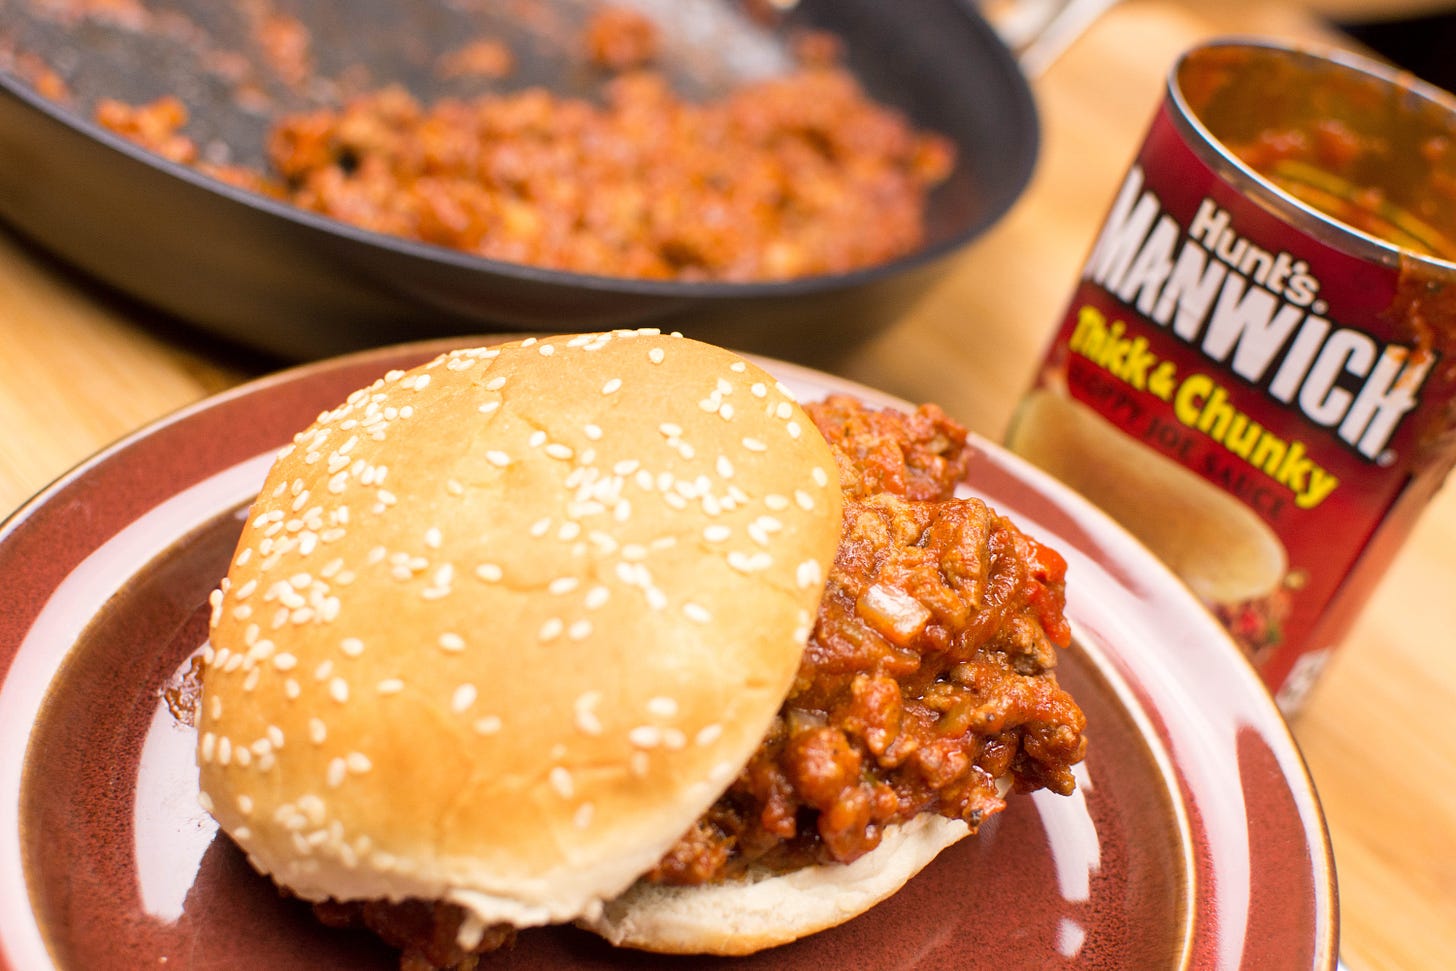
(78, 370)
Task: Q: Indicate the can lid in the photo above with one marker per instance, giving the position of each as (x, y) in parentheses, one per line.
(1358, 154)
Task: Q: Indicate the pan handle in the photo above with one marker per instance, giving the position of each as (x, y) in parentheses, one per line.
(1038, 31)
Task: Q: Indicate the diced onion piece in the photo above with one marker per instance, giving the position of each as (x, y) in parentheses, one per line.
(894, 613)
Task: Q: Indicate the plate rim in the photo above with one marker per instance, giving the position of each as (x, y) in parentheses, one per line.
(1274, 729)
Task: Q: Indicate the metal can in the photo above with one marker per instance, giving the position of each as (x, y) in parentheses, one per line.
(1257, 371)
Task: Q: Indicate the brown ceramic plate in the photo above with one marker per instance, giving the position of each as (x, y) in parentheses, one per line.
(1195, 838)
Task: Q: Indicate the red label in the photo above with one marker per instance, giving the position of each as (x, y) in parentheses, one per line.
(1216, 333)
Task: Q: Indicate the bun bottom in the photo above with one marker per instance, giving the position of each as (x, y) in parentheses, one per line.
(744, 916)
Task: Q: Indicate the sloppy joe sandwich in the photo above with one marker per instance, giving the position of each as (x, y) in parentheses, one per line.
(608, 629)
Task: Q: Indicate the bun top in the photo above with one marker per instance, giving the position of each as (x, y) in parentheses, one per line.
(500, 628)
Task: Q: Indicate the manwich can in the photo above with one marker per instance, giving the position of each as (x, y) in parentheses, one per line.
(1257, 371)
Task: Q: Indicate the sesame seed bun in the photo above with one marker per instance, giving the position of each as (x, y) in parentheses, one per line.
(767, 909)
(500, 628)
(1220, 547)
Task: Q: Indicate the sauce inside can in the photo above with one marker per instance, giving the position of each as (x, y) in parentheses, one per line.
(1257, 371)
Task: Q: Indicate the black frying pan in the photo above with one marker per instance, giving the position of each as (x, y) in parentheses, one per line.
(299, 285)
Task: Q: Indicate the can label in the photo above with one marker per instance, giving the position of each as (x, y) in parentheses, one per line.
(1265, 407)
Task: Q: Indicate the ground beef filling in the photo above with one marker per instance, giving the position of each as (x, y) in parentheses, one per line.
(928, 675)
(926, 686)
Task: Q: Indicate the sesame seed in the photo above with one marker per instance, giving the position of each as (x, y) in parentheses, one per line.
(463, 698)
(674, 739)
(559, 451)
(337, 771)
(245, 804)
(495, 384)
(537, 439)
(583, 816)
(709, 734)
(224, 750)
(593, 432)
(489, 572)
(488, 407)
(580, 630)
(716, 533)
(821, 479)
(390, 686)
(352, 646)
(805, 501)
(551, 629)
(670, 430)
(754, 445)
(749, 562)
(339, 690)
(612, 386)
(738, 367)
(452, 642)
(588, 722)
(322, 672)
(292, 689)
(497, 458)
(285, 661)
(546, 350)
(488, 725)
(697, 612)
(561, 782)
(318, 732)
(274, 734)
(312, 810)
(662, 706)
(208, 747)
(725, 467)
(562, 585)
(596, 597)
(645, 736)
(358, 763)
(432, 538)
(793, 429)
(540, 527)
